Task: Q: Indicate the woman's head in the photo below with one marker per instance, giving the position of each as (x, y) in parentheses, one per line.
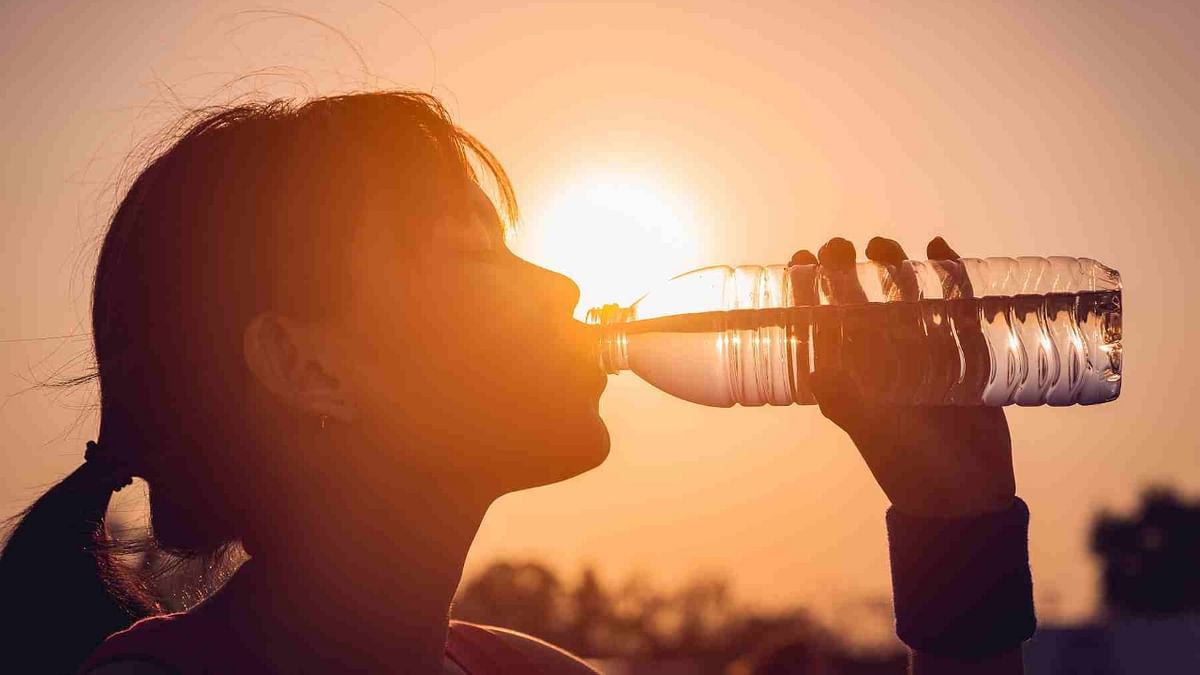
(313, 303)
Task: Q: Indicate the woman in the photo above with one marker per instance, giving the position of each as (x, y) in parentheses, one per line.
(312, 341)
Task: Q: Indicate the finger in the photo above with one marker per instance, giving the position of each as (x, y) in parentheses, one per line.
(938, 249)
(837, 253)
(898, 280)
(887, 251)
(803, 257)
(839, 277)
(955, 281)
(838, 398)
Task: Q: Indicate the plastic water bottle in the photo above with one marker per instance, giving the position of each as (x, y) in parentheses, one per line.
(993, 331)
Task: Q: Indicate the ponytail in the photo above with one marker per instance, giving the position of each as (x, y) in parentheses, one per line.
(61, 590)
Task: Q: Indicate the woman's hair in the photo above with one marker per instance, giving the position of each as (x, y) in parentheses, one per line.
(250, 208)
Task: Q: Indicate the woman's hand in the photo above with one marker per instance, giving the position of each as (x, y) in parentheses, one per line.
(931, 461)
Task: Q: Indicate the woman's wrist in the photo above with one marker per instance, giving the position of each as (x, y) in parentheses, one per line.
(956, 506)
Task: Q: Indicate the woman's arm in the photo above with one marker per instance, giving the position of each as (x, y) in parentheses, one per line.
(949, 475)
(1004, 663)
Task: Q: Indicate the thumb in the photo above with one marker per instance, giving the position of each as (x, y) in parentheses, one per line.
(838, 397)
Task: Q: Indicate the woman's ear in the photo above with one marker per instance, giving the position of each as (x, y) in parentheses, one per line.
(290, 359)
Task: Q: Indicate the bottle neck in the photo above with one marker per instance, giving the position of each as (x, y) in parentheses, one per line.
(611, 341)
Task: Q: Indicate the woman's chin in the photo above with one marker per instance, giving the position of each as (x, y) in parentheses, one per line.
(562, 456)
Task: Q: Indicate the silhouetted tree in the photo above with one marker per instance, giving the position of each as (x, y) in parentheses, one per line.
(523, 596)
(701, 617)
(635, 619)
(592, 622)
(1151, 559)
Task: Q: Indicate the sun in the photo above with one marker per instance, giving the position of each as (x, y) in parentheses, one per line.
(616, 233)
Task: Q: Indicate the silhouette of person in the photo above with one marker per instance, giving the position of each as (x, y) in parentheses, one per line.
(312, 341)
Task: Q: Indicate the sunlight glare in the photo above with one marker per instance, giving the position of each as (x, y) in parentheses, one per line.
(617, 234)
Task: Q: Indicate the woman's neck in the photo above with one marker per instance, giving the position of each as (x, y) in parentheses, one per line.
(369, 588)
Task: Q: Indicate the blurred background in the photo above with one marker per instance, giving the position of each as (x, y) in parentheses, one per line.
(645, 141)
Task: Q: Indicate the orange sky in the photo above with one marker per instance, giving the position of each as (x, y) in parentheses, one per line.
(737, 135)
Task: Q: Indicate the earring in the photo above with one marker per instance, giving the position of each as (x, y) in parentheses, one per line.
(323, 418)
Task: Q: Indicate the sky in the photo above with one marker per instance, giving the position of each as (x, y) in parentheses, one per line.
(646, 140)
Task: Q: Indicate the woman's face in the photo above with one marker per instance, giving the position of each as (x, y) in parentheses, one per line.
(463, 362)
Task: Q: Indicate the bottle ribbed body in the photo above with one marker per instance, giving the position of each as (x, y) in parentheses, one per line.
(995, 331)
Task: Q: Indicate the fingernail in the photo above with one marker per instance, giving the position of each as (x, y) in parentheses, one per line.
(804, 257)
(837, 252)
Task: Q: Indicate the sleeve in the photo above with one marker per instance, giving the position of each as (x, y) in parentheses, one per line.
(962, 586)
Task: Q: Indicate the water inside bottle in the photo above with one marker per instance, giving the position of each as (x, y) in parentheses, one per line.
(1057, 349)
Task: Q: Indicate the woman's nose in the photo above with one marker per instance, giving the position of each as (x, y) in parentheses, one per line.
(566, 291)
(558, 291)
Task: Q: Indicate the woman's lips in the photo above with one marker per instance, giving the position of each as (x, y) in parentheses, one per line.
(600, 380)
